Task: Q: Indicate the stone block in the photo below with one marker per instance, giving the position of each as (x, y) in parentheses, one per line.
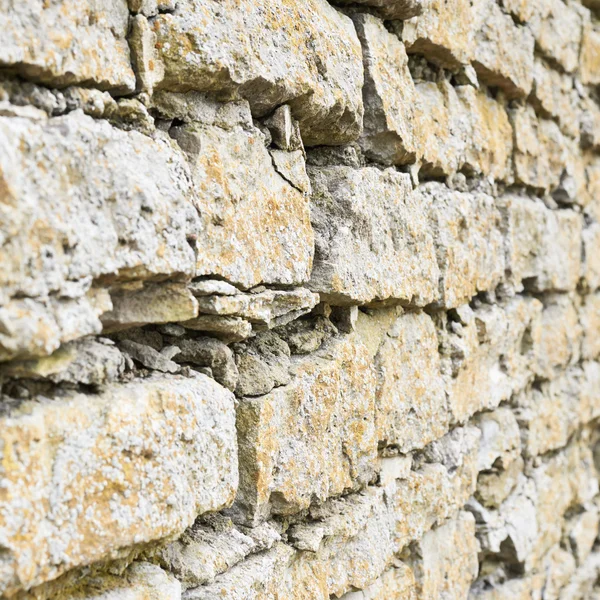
(543, 246)
(86, 476)
(466, 228)
(589, 318)
(410, 402)
(589, 65)
(270, 53)
(255, 226)
(372, 239)
(68, 42)
(311, 439)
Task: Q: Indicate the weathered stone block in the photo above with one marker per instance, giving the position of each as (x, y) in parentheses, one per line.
(68, 42)
(443, 33)
(141, 581)
(255, 225)
(372, 239)
(466, 228)
(589, 317)
(501, 52)
(397, 582)
(84, 200)
(560, 336)
(410, 402)
(306, 55)
(543, 246)
(540, 150)
(392, 9)
(448, 564)
(311, 439)
(489, 354)
(85, 476)
(590, 54)
(390, 128)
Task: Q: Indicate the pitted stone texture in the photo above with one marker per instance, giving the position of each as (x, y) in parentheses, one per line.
(468, 241)
(540, 150)
(589, 317)
(560, 338)
(397, 582)
(255, 226)
(590, 54)
(306, 55)
(67, 42)
(372, 239)
(500, 442)
(410, 403)
(543, 246)
(502, 52)
(448, 564)
(141, 581)
(85, 200)
(85, 476)
(311, 439)
(34, 328)
(443, 33)
(488, 354)
(390, 134)
(554, 93)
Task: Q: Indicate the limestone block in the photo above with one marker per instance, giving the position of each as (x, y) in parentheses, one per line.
(410, 402)
(265, 310)
(34, 328)
(151, 303)
(141, 581)
(85, 200)
(449, 562)
(560, 338)
(501, 52)
(443, 33)
(490, 355)
(443, 128)
(85, 476)
(397, 582)
(500, 442)
(372, 239)
(306, 55)
(311, 439)
(68, 42)
(543, 247)
(540, 150)
(489, 142)
(255, 225)
(591, 257)
(211, 547)
(589, 123)
(468, 241)
(390, 130)
(589, 317)
(548, 416)
(581, 532)
(590, 54)
(553, 92)
(495, 485)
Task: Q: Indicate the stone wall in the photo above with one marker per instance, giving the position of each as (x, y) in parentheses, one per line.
(299, 299)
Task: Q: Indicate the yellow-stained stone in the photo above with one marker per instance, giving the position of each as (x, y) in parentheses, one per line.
(255, 226)
(67, 42)
(85, 477)
(466, 229)
(271, 53)
(589, 317)
(311, 439)
(590, 54)
(410, 403)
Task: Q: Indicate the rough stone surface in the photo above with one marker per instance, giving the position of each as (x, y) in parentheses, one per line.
(300, 300)
(306, 55)
(372, 243)
(68, 42)
(89, 475)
